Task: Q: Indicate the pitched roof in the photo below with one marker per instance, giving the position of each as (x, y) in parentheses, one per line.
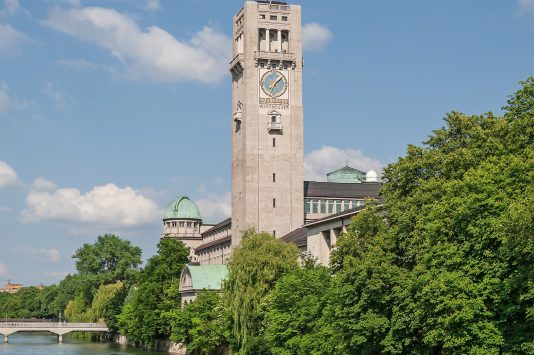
(221, 225)
(297, 236)
(341, 190)
(209, 277)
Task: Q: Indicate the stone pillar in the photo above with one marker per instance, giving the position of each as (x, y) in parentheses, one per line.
(280, 41)
(5, 338)
(60, 338)
(268, 38)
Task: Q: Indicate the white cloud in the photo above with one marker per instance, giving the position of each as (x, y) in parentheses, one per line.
(8, 176)
(152, 5)
(106, 205)
(60, 99)
(41, 184)
(213, 207)
(3, 270)
(50, 254)
(315, 37)
(10, 39)
(153, 53)
(525, 5)
(326, 159)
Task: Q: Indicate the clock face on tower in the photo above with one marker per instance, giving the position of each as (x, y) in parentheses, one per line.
(273, 83)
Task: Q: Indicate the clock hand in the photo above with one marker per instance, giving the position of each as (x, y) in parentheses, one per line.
(274, 84)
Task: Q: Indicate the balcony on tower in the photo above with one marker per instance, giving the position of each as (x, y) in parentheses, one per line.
(275, 122)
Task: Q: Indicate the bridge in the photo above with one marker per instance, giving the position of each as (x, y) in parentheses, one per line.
(58, 328)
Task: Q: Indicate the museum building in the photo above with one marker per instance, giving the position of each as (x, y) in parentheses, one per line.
(268, 189)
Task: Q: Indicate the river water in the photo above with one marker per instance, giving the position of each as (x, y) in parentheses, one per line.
(44, 343)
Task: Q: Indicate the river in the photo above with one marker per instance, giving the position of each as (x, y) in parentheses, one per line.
(46, 344)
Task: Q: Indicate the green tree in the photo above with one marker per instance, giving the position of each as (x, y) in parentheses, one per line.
(145, 315)
(253, 269)
(111, 258)
(294, 311)
(201, 325)
(456, 209)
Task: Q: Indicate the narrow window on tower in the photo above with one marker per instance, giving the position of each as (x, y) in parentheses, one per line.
(274, 177)
(274, 202)
(274, 233)
(274, 142)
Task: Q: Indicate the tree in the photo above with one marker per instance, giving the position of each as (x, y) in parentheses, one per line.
(364, 288)
(294, 311)
(456, 212)
(201, 325)
(145, 315)
(111, 258)
(253, 269)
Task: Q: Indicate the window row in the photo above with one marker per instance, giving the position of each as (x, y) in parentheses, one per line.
(273, 17)
(181, 224)
(312, 205)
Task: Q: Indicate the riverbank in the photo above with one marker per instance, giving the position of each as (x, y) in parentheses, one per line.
(159, 345)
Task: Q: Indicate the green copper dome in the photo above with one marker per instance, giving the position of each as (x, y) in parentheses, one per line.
(182, 208)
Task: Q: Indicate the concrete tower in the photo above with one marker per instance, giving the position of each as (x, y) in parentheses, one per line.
(267, 122)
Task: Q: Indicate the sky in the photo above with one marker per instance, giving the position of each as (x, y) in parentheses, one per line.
(110, 109)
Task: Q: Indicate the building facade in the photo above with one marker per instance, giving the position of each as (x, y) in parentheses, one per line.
(267, 120)
(268, 189)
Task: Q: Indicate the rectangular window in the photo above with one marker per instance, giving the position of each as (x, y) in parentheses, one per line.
(273, 17)
(274, 233)
(274, 202)
(262, 64)
(338, 206)
(262, 16)
(322, 208)
(345, 205)
(274, 142)
(274, 177)
(307, 206)
(284, 18)
(330, 204)
(315, 206)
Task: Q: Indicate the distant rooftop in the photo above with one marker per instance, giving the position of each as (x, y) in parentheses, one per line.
(360, 190)
(346, 174)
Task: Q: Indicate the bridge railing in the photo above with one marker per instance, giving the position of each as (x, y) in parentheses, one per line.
(50, 325)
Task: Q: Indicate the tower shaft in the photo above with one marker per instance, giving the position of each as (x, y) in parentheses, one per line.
(267, 122)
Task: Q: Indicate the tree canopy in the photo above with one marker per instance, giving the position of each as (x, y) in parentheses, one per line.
(111, 258)
(253, 269)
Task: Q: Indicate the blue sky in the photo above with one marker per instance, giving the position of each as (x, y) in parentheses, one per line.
(110, 109)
